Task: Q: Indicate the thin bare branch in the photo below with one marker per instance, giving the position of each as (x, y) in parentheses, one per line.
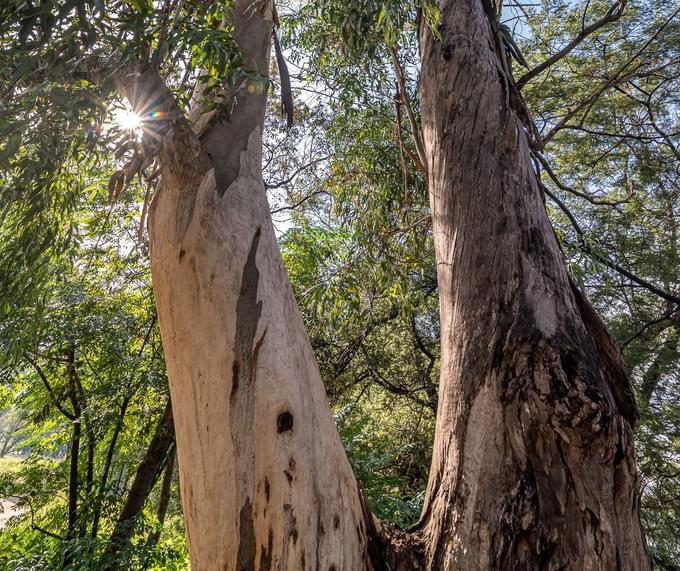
(586, 248)
(415, 130)
(295, 173)
(617, 79)
(299, 202)
(48, 387)
(613, 14)
(565, 188)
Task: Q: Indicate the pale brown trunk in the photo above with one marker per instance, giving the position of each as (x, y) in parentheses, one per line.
(265, 483)
(533, 464)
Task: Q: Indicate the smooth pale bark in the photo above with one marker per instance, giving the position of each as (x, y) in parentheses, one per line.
(265, 482)
(533, 464)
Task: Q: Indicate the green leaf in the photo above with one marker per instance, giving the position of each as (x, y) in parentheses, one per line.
(11, 148)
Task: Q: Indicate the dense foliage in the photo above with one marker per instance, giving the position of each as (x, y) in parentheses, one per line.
(82, 381)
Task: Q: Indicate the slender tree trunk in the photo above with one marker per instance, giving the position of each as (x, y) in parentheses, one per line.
(146, 476)
(73, 483)
(107, 466)
(164, 499)
(91, 440)
(533, 464)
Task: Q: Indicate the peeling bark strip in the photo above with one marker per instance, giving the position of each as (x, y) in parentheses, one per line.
(533, 464)
(248, 312)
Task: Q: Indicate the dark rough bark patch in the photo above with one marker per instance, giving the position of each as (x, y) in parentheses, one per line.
(389, 550)
(246, 547)
(266, 489)
(248, 312)
(613, 365)
(235, 375)
(284, 422)
(266, 554)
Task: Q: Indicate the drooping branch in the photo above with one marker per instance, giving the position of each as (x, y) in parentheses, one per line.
(415, 129)
(586, 248)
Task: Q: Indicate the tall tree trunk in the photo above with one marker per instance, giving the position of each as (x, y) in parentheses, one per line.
(146, 477)
(107, 466)
(533, 464)
(265, 480)
(163, 500)
(74, 452)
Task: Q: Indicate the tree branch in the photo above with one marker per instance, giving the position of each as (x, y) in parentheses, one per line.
(587, 249)
(415, 131)
(564, 187)
(617, 79)
(299, 202)
(50, 390)
(296, 172)
(613, 14)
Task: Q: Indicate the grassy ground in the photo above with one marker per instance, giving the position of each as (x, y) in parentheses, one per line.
(9, 464)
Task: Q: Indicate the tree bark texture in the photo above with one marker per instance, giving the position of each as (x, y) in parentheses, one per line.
(533, 464)
(265, 483)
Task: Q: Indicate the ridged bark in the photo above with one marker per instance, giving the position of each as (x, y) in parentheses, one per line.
(533, 464)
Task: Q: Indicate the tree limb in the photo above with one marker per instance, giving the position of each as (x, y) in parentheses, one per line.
(587, 249)
(613, 14)
(49, 389)
(617, 79)
(415, 131)
(564, 187)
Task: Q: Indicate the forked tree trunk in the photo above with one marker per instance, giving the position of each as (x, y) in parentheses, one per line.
(533, 464)
(264, 477)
